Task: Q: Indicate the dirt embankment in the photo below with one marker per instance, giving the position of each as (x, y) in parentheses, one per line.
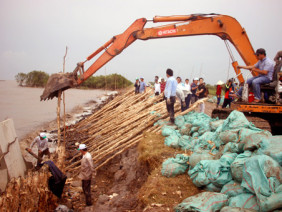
(132, 181)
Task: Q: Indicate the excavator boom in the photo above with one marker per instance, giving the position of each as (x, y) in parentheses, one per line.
(225, 27)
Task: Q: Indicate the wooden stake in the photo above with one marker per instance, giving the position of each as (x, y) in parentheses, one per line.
(64, 101)
(58, 117)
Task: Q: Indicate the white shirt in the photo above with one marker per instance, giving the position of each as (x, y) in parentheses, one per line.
(87, 167)
(41, 144)
(181, 86)
(157, 87)
(180, 94)
(188, 88)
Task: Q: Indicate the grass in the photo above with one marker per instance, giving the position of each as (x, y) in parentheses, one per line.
(159, 189)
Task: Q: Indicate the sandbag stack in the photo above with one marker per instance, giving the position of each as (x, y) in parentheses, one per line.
(231, 157)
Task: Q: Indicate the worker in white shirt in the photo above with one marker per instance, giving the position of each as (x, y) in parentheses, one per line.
(42, 146)
(181, 92)
(86, 171)
(157, 86)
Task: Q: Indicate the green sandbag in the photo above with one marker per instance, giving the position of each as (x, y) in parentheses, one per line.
(229, 136)
(231, 147)
(215, 124)
(237, 120)
(184, 142)
(175, 166)
(232, 189)
(219, 172)
(179, 121)
(196, 157)
(203, 202)
(252, 142)
(227, 159)
(244, 200)
(237, 165)
(207, 136)
(245, 132)
(262, 176)
(172, 141)
(236, 209)
(212, 171)
(168, 130)
(185, 130)
(272, 146)
(212, 187)
(274, 201)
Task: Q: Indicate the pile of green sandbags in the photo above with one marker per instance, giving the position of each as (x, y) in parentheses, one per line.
(231, 157)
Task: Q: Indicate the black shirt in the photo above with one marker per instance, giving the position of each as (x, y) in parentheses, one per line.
(202, 94)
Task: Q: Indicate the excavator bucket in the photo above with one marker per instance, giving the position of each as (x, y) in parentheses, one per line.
(58, 82)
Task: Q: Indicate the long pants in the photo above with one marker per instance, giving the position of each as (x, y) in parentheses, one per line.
(86, 187)
(202, 107)
(218, 100)
(194, 98)
(41, 154)
(227, 102)
(170, 108)
(187, 101)
(255, 82)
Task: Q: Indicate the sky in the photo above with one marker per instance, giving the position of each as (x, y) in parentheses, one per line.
(35, 33)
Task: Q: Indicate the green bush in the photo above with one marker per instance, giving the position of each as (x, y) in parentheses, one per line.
(212, 89)
(36, 79)
(111, 82)
(32, 79)
(20, 78)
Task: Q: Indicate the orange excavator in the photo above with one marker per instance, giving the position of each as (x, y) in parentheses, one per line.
(223, 26)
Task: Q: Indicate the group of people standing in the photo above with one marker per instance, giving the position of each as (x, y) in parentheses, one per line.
(229, 88)
(140, 85)
(183, 91)
(173, 88)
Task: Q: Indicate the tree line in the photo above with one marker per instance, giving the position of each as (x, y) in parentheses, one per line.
(40, 78)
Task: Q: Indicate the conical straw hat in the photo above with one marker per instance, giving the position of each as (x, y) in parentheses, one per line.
(220, 82)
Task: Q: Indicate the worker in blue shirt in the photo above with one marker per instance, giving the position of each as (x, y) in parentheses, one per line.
(142, 88)
(170, 93)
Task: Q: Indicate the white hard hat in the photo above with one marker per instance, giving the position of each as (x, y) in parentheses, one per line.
(196, 78)
(82, 147)
(220, 82)
(42, 135)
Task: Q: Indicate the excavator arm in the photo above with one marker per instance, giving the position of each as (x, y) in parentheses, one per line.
(225, 27)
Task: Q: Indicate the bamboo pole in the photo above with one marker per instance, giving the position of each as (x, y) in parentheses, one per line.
(64, 98)
(58, 116)
(115, 127)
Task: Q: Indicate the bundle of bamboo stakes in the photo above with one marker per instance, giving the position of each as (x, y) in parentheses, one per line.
(119, 125)
(28, 194)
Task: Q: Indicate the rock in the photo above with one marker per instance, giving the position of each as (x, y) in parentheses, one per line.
(103, 198)
(119, 175)
(77, 183)
(62, 208)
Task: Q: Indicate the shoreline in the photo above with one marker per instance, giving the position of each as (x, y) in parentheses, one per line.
(77, 114)
(23, 105)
